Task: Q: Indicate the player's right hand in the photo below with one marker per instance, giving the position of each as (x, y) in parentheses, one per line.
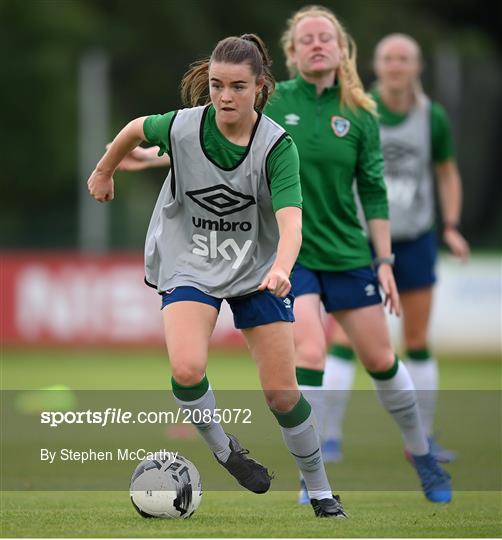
(100, 186)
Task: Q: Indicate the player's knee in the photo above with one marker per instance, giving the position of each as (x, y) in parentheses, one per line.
(311, 355)
(379, 363)
(187, 375)
(416, 341)
(415, 335)
(281, 401)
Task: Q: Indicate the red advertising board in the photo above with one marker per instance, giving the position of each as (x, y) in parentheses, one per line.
(65, 298)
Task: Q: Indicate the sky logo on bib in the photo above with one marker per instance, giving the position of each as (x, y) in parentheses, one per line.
(221, 200)
(228, 249)
(340, 126)
(291, 119)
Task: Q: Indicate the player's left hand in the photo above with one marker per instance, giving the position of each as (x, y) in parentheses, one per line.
(456, 243)
(388, 284)
(277, 282)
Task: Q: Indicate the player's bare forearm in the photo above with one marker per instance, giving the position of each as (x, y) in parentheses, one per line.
(100, 183)
(450, 196)
(154, 160)
(126, 140)
(450, 192)
(289, 220)
(140, 159)
(380, 236)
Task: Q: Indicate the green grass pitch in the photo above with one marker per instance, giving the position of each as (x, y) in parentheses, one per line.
(236, 513)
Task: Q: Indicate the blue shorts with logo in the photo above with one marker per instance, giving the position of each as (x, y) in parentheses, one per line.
(415, 262)
(250, 310)
(349, 289)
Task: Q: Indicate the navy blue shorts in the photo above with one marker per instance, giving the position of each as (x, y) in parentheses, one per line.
(338, 290)
(415, 262)
(251, 310)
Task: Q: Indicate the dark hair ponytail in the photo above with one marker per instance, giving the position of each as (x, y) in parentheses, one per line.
(266, 73)
(248, 48)
(194, 86)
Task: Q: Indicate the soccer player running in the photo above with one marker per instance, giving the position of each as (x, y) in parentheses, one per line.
(334, 125)
(227, 225)
(415, 134)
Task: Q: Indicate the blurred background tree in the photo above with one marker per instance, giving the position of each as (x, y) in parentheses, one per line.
(150, 44)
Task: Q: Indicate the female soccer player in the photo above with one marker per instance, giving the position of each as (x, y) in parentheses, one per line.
(415, 134)
(334, 125)
(227, 225)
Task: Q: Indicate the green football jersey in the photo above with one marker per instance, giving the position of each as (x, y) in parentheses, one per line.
(335, 146)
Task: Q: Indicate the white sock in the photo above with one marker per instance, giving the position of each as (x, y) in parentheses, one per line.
(337, 384)
(211, 431)
(397, 395)
(425, 376)
(315, 396)
(303, 442)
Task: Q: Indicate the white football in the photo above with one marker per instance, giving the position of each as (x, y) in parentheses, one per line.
(167, 487)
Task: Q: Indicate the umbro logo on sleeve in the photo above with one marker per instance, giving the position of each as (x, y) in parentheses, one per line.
(291, 119)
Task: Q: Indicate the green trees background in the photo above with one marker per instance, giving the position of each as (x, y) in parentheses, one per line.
(150, 43)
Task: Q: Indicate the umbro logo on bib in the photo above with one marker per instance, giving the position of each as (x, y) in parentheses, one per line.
(340, 126)
(221, 200)
(397, 151)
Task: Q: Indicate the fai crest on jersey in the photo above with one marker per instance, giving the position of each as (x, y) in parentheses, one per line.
(340, 126)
